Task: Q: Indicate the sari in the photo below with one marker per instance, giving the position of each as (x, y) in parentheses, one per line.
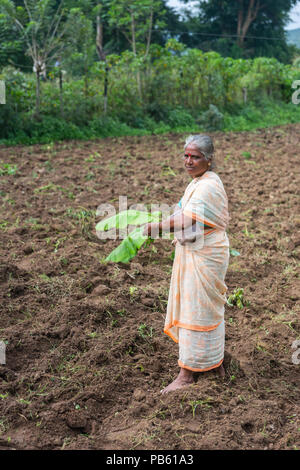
(197, 295)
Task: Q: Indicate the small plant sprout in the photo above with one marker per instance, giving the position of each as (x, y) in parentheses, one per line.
(203, 403)
(167, 171)
(145, 331)
(132, 290)
(237, 298)
(247, 155)
(7, 169)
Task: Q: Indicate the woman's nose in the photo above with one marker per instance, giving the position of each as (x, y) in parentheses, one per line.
(189, 160)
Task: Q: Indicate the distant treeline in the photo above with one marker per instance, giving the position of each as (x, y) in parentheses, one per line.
(172, 86)
(89, 67)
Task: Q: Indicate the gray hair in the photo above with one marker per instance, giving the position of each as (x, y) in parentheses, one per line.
(204, 144)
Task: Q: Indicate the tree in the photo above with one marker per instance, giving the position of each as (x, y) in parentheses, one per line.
(100, 49)
(241, 27)
(136, 19)
(79, 51)
(247, 13)
(11, 47)
(40, 25)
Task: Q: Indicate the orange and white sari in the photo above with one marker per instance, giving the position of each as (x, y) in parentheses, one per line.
(195, 312)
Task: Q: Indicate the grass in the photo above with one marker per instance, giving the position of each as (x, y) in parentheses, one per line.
(237, 298)
(145, 331)
(250, 117)
(203, 403)
(84, 218)
(7, 169)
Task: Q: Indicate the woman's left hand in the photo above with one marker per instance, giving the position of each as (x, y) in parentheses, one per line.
(147, 230)
(151, 230)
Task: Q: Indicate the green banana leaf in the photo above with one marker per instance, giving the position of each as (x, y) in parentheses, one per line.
(125, 218)
(129, 247)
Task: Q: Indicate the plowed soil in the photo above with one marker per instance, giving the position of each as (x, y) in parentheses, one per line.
(86, 357)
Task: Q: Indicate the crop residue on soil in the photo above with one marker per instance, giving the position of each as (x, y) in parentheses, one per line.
(85, 354)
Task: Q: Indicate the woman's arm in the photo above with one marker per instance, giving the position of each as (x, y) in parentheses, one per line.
(175, 223)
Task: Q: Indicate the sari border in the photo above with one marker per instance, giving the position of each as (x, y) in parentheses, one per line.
(194, 216)
(170, 334)
(193, 369)
(179, 324)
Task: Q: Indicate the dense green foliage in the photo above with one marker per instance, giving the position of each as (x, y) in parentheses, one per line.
(180, 89)
(82, 88)
(242, 28)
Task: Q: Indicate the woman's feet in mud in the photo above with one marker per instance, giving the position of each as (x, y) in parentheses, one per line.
(221, 371)
(184, 378)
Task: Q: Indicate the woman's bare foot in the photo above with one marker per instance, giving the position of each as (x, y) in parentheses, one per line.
(221, 371)
(185, 377)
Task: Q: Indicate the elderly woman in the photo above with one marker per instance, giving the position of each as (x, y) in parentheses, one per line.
(195, 312)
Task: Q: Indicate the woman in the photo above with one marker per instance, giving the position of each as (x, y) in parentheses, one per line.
(195, 312)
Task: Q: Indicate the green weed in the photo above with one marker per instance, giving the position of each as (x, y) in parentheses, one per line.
(237, 298)
(84, 218)
(8, 169)
(167, 171)
(203, 403)
(247, 155)
(145, 331)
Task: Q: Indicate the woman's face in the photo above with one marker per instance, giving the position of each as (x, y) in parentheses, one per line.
(194, 161)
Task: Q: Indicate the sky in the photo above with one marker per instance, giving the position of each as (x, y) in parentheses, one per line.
(295, 13)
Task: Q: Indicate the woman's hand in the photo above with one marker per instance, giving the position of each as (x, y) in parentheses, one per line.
(151, 230)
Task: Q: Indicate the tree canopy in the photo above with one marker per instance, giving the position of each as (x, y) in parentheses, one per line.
(241, 28)
(236, 28)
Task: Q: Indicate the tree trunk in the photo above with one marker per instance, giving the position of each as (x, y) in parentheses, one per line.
(138, 73)
(61, 98)
(38, 94)
(133, 34)
(102, 57)
(149, 32)
(86, 83)
(244, 22)
(105, 89)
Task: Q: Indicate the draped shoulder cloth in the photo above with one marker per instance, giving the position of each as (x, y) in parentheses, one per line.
(206, 196)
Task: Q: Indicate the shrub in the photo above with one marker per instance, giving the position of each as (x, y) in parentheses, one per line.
(212, 119)
(180, 117)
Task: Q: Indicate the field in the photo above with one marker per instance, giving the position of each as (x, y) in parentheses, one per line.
(86, 357)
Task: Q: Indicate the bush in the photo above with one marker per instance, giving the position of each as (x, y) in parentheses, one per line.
(173, 89)
(180, 117)
(20, 94)
(212, 119)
